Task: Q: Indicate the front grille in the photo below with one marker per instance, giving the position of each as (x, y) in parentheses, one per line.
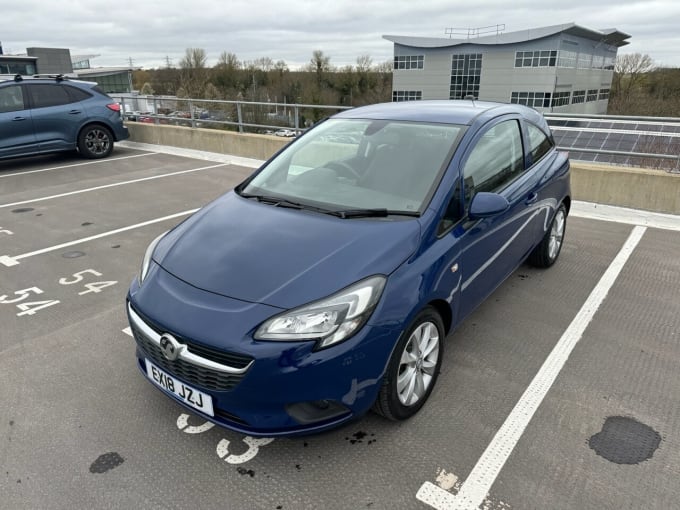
(193, 374)
(216, 355)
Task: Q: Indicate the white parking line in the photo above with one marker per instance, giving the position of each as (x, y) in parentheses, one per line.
(105, 160)
(478, 483)
(625, 215)
(127, 331)
(96, 188)
(10, 261)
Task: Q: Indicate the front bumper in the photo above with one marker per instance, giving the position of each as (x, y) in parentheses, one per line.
(258, 388)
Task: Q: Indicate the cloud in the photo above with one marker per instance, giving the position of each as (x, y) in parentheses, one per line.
(148, 32)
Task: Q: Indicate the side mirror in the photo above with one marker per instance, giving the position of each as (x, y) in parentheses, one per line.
(485, 205)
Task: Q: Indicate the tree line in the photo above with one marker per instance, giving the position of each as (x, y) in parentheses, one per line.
(638, 86)
(267, 80)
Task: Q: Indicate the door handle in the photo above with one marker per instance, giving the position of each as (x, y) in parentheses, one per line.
(74, 112)
(19, 118)
(531, 199)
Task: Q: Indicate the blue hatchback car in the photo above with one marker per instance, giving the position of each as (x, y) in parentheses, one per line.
(325, 284)
(43, 115)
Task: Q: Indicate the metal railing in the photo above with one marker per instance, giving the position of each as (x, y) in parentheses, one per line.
(651, 133)
(242, 116)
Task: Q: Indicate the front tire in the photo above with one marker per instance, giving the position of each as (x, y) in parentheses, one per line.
(95, 142)
(546, 253)
(413, 368)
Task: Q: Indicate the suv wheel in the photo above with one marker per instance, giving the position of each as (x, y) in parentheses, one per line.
(95, 142)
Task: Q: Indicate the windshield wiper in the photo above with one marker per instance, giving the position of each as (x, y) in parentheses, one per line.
(283, 202)
(275, 201)
(372, 213)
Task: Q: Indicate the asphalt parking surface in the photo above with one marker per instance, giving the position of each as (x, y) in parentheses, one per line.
(80, 427)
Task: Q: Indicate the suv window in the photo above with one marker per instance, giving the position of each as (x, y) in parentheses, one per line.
(45, 94)
(11, 99)
(76, 93)
(539, 143)
(496, 160)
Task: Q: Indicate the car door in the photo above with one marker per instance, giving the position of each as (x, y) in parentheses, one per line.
(56, 116)
(16, 126)
(493, 247)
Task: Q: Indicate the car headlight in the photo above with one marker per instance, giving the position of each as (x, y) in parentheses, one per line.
(146, 261)
(330, 320)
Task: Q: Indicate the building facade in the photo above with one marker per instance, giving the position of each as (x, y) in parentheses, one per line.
(561, 68)
(58, 61)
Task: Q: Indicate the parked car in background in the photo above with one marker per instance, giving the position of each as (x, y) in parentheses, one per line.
(285, 132)
(325, 284)
(42, 115)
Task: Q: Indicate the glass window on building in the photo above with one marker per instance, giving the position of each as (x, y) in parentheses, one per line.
(579, 96)
(407, 95)
(567, 59)
(561, 98)
(409, 62)
(542, 58)
(584, 61)
(532, 99)
(466, 72)
(604, 94)
(24, 68)
(592, 95)
(112, 83)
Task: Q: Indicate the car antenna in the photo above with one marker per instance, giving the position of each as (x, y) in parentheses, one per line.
(471, 98)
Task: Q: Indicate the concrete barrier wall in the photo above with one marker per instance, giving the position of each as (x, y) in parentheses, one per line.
(650, 190)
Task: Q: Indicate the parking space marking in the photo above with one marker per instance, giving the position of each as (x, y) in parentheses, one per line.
(625, 215)
(10, 261)
(105, 160)
(112, 185)
(476, 487)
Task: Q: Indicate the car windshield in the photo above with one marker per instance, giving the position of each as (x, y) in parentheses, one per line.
(359, 165)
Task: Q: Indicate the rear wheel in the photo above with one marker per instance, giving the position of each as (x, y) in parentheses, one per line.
(95, 142)
(546, 253)
(413, 367)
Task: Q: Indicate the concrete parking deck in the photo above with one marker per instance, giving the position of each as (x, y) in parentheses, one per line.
(595, 426)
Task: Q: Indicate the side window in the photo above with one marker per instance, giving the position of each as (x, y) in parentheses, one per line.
(76, 93)
(496, 160)
(46, 94)
(11, 99)
(539, 143)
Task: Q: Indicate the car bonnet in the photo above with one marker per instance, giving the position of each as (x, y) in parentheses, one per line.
(260, 253)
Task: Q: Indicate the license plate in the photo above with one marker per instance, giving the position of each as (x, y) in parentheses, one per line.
(187, 394)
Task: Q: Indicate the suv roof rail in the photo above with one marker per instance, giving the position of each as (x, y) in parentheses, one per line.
(58, 77)
(14, 77)
(20, 77)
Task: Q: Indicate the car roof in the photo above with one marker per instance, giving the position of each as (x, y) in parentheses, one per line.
(450, 112)
(44, 79)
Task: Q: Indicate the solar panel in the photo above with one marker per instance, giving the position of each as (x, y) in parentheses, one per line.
(603, 137)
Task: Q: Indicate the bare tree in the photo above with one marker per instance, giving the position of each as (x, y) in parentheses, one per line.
(265, 64)
(229, 61)
(364, 63)
(193, 73)
(319, 63)
(630, 73)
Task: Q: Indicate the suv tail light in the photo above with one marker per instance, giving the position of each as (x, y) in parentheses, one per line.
(113, 106)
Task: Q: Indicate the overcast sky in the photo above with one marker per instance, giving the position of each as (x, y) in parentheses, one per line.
(148, 31)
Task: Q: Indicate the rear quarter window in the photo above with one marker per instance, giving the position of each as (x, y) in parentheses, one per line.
(539, 143)
(76, 93)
